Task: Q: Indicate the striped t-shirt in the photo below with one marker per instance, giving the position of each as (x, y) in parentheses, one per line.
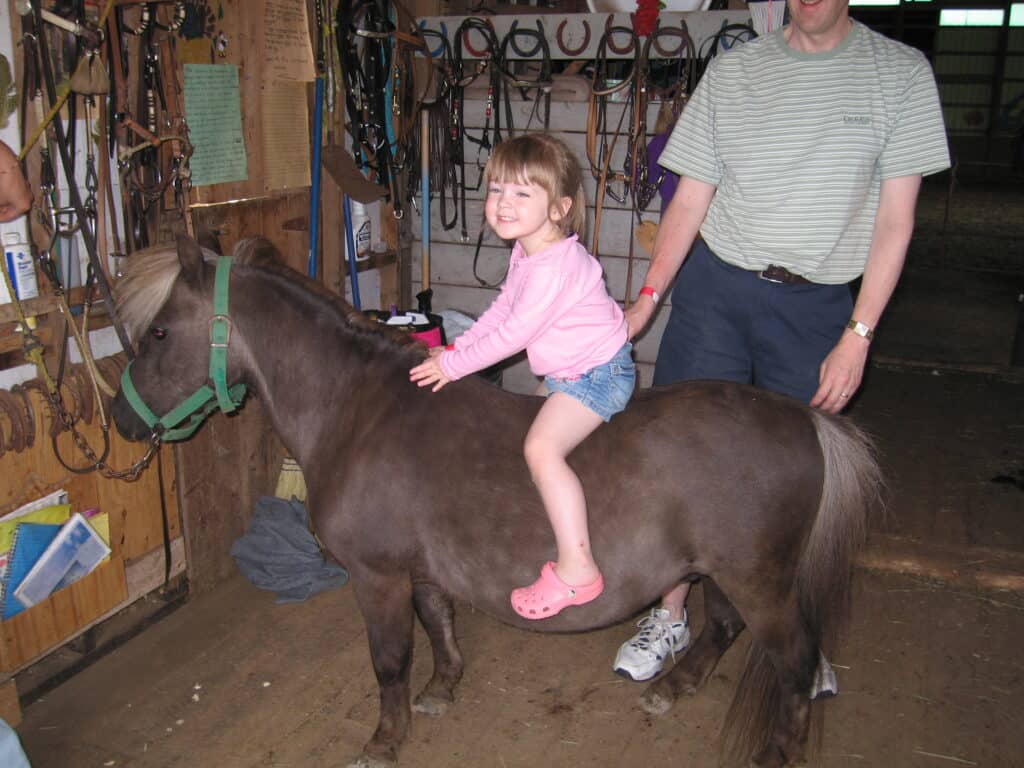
(797, 145)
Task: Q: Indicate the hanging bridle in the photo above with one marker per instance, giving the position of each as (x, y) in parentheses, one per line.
(206, 399)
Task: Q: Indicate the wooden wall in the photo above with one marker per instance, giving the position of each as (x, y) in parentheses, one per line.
(136, 531)
(232, 461)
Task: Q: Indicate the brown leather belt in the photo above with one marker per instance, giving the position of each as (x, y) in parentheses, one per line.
(775, 274)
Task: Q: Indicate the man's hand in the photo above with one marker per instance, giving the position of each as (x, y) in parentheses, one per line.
(639, 315)
(841, 373)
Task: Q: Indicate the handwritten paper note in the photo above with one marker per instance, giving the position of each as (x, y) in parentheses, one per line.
(286, 144)
(289, 53)
(213, 109)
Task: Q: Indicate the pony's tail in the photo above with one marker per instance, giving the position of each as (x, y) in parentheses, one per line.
(851, 496)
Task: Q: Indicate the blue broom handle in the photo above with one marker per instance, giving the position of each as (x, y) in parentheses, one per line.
(350, 242)
(314, 193)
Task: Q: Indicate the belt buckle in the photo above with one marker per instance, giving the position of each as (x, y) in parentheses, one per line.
(763, 274)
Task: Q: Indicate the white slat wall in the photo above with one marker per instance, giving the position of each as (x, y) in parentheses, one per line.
(451, 259)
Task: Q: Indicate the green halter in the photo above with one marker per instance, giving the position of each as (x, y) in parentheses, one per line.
(204, 400)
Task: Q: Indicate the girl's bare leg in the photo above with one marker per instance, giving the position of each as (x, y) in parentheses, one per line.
(562, 424)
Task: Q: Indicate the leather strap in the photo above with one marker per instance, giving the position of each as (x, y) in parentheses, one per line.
(602, 88)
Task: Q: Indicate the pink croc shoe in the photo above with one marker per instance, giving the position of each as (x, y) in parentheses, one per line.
(548, 595)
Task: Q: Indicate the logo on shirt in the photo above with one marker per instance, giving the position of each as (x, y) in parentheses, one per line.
(857, 119)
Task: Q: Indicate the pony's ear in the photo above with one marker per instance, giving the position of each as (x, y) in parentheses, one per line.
(191, 257)
(208, 239)
(257, 251)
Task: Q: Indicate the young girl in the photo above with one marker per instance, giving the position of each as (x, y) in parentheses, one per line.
(554, 304)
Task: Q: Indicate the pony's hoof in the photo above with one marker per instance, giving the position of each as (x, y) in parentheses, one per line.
(365, 761)
(653, 703)
(771, 757)
(430, 705)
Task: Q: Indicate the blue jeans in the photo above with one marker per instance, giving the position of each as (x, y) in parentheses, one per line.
(729, 324)
(604, 389)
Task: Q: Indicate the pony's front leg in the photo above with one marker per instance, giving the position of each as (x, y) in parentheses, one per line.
(385, 600)
(722, 625)
(437, 614)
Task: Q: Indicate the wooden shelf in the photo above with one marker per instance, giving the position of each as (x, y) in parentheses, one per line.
(376, 261)
(12, 341)
(42, 305)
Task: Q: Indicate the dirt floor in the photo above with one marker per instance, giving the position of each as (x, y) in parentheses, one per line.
(931, 672)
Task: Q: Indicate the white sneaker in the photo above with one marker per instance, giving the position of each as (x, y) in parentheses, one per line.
(825, 683)
(643, 655)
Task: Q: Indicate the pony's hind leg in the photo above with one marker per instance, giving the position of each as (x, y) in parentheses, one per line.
(722, 624)
(769, 720)
(437, 615)
(794, 664)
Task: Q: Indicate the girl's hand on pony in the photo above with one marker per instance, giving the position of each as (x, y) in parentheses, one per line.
(430, 372)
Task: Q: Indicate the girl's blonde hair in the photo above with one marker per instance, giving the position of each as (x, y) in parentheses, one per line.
(541, 159)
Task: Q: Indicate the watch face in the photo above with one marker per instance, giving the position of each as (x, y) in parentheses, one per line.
(859, 328)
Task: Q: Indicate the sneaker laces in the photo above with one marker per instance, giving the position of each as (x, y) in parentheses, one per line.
(652, 630)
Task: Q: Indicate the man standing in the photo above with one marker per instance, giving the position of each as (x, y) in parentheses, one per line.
(801, 155)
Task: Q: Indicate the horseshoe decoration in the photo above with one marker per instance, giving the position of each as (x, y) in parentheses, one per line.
(480, 54)
(15, 438)
(443, 34)
(681, 33)
(537, 39)
(610, 29)
(83, 381)
(28, 415)
(45, 411)
(572, 52)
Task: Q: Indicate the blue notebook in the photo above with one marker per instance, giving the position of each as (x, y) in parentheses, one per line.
(29, 543)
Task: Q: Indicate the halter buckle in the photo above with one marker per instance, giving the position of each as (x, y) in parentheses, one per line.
(214, 344)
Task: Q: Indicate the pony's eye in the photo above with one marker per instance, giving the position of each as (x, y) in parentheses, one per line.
(158, 333)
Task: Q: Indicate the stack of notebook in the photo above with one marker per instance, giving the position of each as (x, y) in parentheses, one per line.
(46, 548)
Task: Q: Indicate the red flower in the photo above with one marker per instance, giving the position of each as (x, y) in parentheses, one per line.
(645, 20)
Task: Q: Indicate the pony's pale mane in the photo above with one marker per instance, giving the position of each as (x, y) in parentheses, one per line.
(145, 285)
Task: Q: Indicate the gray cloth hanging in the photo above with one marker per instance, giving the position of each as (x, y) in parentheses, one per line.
(280, 554)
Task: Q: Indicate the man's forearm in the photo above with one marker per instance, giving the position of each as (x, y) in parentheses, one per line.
(894, 226)
(677, 231)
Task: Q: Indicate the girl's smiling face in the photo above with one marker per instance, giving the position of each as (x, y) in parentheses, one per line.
(522, 211)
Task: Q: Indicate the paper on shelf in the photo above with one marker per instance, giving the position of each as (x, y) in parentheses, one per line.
(76, 551)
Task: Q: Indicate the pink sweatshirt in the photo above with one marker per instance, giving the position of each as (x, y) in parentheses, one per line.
(554, 305)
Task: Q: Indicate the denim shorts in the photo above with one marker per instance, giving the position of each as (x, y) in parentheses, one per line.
(605, 389)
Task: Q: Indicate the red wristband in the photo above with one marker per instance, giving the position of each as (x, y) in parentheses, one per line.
(449, 347)
(648, 291)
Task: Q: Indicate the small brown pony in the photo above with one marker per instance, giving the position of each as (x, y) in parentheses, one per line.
(762, 498)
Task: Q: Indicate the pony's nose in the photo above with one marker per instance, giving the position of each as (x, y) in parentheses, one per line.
(128, 423)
